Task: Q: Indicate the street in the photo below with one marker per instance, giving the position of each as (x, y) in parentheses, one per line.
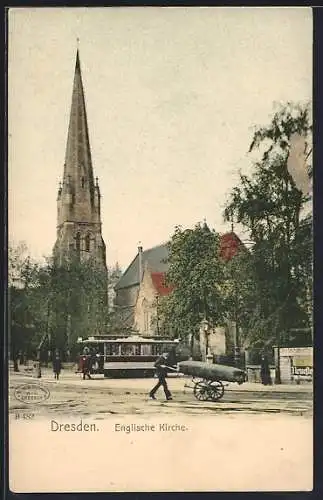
(101, 397)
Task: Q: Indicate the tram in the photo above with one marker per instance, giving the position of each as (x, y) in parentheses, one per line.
(132, 356)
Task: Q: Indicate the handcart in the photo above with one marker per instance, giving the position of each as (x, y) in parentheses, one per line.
(207, 390)
(208, 378)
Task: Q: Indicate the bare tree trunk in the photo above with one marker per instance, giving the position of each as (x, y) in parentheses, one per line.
(192, 344)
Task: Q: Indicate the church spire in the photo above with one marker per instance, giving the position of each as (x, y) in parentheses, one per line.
(78, 161)
(79, 199)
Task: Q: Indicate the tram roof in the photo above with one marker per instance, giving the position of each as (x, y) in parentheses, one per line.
(132, 339)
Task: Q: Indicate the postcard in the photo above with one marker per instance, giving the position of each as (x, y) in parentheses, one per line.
(160, 249)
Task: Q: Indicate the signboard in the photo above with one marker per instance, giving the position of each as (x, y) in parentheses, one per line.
(305, 371)
(296, 351)
(300, 363)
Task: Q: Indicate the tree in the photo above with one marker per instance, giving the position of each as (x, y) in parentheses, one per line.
(270, 206)
(22, 278)
(78, 301)
(50, 305)
(238, 294)
(195, 275)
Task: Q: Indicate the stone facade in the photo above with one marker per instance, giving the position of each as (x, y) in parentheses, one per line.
(147, 318)
(216, 342)
(127, 288)
(79, 199)
(145, 313)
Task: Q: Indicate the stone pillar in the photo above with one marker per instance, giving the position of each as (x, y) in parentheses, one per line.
(246, 357)
(204, 334)
(277, 365)
(209, 358)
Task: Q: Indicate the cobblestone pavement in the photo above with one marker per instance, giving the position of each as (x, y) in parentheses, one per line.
(100, 398)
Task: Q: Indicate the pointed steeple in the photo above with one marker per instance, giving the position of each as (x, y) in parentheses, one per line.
(78, 161)
(79, 200)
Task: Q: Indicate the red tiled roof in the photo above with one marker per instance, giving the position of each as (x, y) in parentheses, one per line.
(159, 284)
(230, 244)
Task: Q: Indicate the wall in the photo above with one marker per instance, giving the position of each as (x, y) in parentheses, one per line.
(66, 242)
(296, 364)
(216, 341)
(146, 308)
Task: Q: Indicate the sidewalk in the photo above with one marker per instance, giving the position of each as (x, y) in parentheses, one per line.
(70, 378)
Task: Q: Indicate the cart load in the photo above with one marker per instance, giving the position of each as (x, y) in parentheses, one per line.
(212, 372)
(207, 378)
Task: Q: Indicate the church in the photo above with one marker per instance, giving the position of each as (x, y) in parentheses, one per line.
(143, 284)
(79, 253)
(129, 287)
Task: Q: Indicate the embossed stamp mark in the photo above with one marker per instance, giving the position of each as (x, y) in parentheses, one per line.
(31, 393)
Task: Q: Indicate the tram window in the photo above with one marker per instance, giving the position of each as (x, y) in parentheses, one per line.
(146, 350)
(127, 349)
(108, 349)
(157, 349)
(115, 349)
(167, 347)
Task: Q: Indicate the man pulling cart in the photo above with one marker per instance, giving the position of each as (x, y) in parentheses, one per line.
(207, 378)
(163, 364)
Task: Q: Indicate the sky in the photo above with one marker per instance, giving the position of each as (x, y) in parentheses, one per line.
(172, 96)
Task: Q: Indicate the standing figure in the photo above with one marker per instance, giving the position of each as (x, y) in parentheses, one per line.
(86, 366)
(21, 357)
(57, 365)
(162, 365)
(265, 371)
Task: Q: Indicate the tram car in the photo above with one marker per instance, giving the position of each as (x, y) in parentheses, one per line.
(132, 356)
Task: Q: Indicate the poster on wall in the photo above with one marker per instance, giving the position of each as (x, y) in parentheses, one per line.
(300, 360)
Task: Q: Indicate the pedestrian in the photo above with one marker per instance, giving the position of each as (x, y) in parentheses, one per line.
(21, 357)
(265, 371)
(57, 365)
(163, 364)
(86, 366)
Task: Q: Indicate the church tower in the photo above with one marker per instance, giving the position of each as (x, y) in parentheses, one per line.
(78, 202)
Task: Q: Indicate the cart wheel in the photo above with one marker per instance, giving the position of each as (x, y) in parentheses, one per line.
(201, 391)
(215, 390)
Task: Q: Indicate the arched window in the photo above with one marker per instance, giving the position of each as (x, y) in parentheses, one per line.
(87, 242)
(78, 242)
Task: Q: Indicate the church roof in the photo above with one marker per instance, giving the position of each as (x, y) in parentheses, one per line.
(153, 257)
(230, 245)
(156, 260)
(161, 288)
